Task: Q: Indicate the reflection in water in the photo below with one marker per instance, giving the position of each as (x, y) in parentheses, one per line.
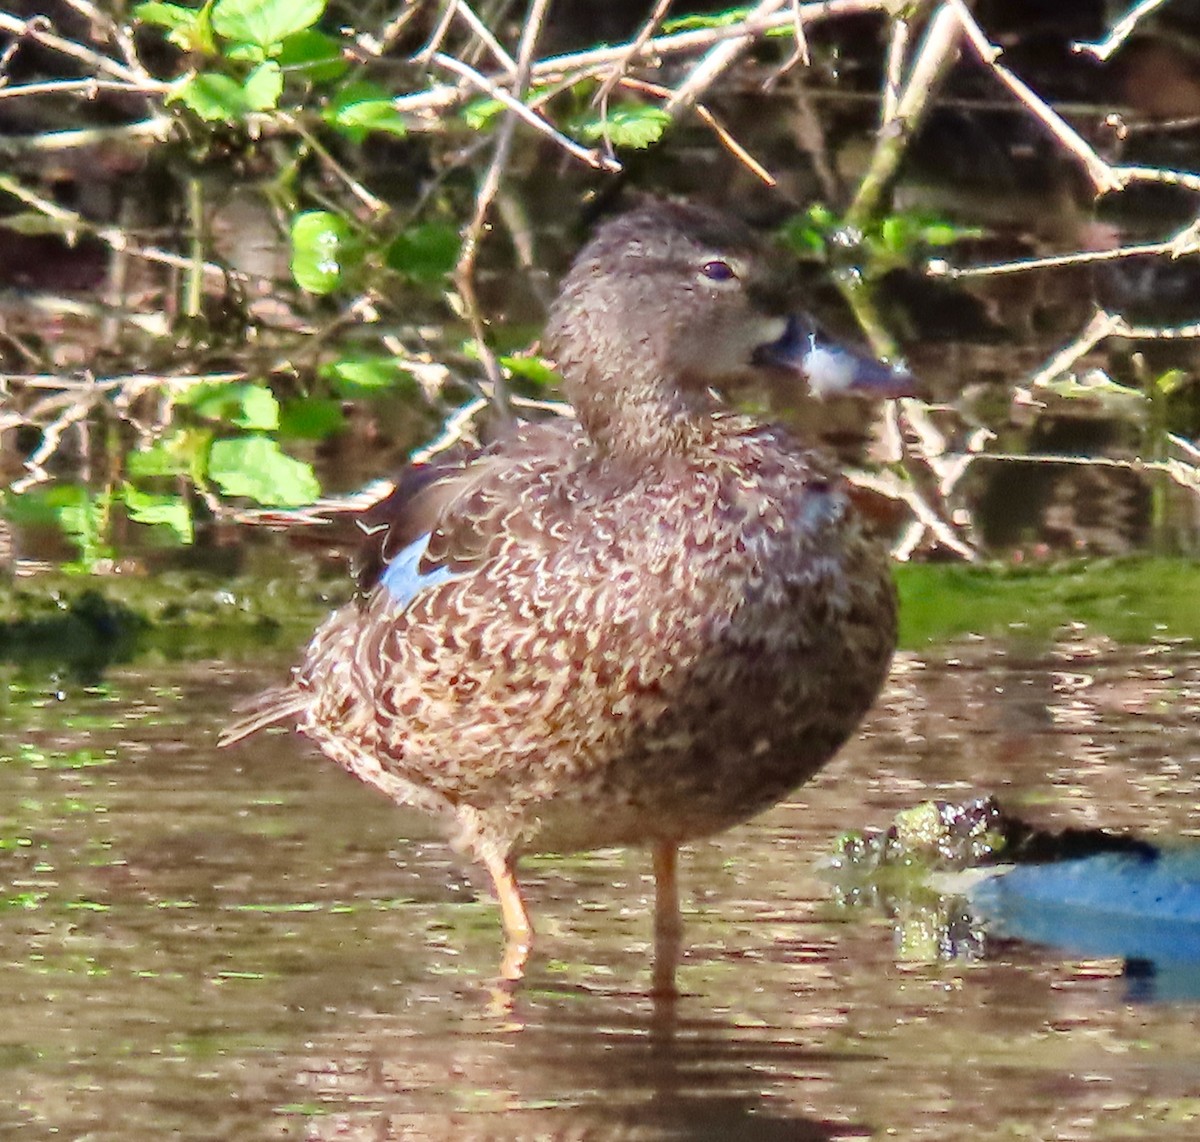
(200, 946)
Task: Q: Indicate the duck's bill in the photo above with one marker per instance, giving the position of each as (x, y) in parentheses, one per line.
(831, 369)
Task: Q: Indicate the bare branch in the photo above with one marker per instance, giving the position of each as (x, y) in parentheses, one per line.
(1122, 29)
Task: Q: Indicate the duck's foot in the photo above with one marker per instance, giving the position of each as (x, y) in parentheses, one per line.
(668, 923)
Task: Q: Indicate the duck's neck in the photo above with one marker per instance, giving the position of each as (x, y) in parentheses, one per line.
(636, 414)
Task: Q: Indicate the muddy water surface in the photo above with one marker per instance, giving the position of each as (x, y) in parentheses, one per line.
(233, 945)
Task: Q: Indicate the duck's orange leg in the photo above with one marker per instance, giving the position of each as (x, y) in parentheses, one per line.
(518, 931)
(668, 923)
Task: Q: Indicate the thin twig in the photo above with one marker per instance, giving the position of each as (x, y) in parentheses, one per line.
(464, 271)
(37, 30)
(1122, 30)
(567, 66)
(157, 129)
(468, 16)
(893, 79)
(938, 51)
(584, 154)
(725, 138)
(635, 49)
(719, 58)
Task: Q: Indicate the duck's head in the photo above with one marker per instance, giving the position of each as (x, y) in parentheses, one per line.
(670, 300)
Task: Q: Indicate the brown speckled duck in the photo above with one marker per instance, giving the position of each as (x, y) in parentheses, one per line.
(637, 627)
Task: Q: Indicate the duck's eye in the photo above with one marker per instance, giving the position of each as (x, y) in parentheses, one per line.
(718, 271)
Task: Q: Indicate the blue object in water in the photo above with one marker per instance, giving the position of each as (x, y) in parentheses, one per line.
(1145, 908)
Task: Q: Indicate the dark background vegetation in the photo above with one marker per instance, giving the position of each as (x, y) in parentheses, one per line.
(256, 255)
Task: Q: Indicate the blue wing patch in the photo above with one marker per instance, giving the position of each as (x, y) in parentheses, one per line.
(404, 579)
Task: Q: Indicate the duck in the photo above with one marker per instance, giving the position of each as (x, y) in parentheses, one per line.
(639, 625)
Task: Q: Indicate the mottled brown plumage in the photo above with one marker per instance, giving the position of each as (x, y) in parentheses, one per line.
(640, 627)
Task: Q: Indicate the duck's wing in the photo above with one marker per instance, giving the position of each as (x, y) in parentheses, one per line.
(450, 518)
(442, 521)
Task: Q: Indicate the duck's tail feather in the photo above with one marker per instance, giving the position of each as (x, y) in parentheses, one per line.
(266, 709)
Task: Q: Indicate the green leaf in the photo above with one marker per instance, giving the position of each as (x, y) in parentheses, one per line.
(189, 29)
(83, 516)
(183, 453)
(263, 86)
(313, 56)
(364, 375)
(168, 511)
(170, 16)
(361, 108)
(312, 418)
(630, 125)
(898, 235)
(322, 250)
(946, 233)
(532, 369)
(425, 253)
(244, 404)
(159, 460)
(214, 97)
(1172, 381)
(701, 22)
(256, 467)
(481, 113)
(264, 23)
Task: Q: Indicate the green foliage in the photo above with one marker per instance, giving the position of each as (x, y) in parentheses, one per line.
(704, 20)
(903, 238)
(83, 516)
(248, 52)
(311, 418)
(424, 253)
(359, 375)
(263, 24)
(323, 249)
(531, 369)
(360, 108)
(256, 467)
(244, 404)
(170, 511)
(635, 125)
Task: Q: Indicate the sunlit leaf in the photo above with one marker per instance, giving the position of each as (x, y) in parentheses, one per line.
(702, 21)
(631, 125)
(243, 403)
(946, 233)
(264, 23)
(214, 97)
(187, 28)
(361, 108)
(256, 467)
(425, 253)
(183, 453)
(83, 517)
(481, 113)
(263, 86)
(364, 375)
(532, 369)
(322, 250)
(168, 511)
(1172, 381)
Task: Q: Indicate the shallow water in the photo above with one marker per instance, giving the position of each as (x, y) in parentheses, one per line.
(235, 945)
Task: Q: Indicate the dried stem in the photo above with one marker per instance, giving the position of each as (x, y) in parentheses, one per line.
(464, 272)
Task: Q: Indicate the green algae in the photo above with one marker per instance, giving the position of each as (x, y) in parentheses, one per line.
(1137, 600)
(85, 623)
